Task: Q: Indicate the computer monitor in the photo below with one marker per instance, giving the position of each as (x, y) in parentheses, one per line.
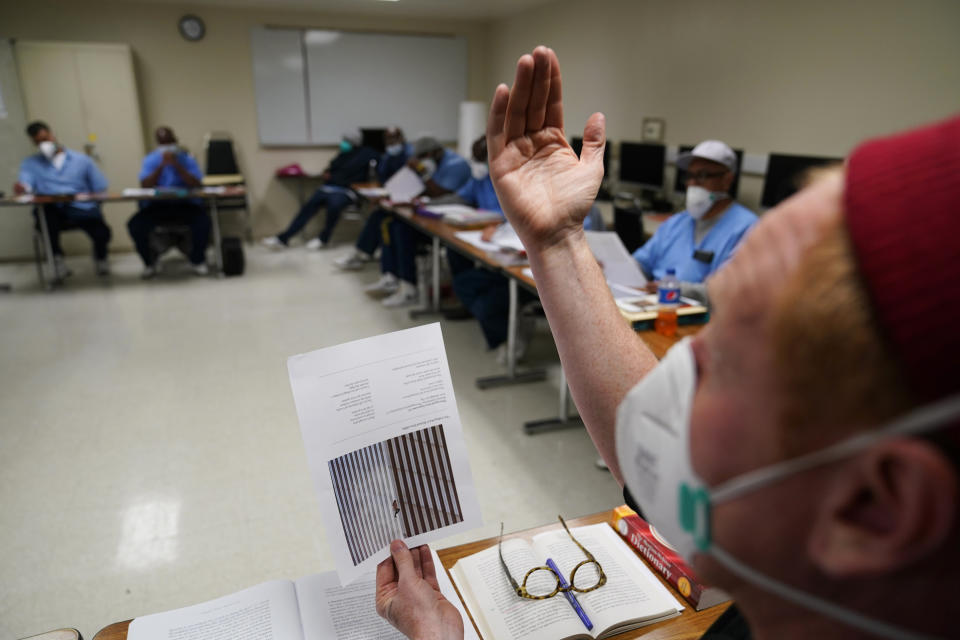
(680, 181)
(785, 175)
(642, 163)
(577, 144)
(374, 138)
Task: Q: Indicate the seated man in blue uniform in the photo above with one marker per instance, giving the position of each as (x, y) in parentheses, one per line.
(56, 170)
(170, 166)
(443, 172)
(483, 293)
(396, 155)
(700, 239)
(351, 165)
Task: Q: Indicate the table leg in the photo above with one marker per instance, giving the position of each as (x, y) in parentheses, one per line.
(563, 420)
(47, 283)
(512, 376)
(217, 240)
(434, 305)
(436, 274)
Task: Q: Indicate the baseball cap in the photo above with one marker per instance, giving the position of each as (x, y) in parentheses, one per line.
(425, 144)
(713, 150)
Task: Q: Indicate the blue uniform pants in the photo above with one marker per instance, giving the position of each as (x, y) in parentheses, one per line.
(62, 217)
(142, 224)
(334, 201)
(486, 295)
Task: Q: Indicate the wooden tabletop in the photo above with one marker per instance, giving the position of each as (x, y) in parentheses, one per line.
(688, 626)
(106, 196)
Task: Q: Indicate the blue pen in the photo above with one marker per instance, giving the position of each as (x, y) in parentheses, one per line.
(572, 599)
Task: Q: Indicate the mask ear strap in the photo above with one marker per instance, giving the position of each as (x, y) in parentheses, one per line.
(932, 417)
(814, 603)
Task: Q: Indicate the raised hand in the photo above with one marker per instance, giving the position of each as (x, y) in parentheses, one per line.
(544, 189)
(409, 598)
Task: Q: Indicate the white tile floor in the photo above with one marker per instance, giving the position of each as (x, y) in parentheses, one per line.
(150, 456)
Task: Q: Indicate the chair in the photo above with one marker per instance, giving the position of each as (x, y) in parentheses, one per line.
(41, 249)
(221, 168)
(169, 236)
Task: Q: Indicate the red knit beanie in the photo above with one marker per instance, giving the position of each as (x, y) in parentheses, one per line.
(902, 206)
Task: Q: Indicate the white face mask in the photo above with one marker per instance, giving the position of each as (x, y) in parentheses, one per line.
(48, 148)
(479, 169)
(395, 149)
(699, 201)
(165, 148)
(653, 450)
(429, 167)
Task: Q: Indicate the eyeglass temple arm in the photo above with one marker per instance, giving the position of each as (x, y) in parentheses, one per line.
(513, 583)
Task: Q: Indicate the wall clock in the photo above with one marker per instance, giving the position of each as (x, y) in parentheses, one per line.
(191, 28)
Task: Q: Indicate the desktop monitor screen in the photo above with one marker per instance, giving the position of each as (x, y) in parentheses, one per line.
(642, 163)
(680, 182)
(374, 138)
(577, 144)
(785, 175)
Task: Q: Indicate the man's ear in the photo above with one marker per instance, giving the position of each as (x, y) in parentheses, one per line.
(887, 508)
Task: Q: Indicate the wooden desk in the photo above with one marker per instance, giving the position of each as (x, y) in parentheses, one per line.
(689, 626)
(210, 196)
(440, 231)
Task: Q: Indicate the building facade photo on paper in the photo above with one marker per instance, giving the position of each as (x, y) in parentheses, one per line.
(397, 488)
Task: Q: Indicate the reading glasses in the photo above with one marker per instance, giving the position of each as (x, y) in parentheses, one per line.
(541, 583)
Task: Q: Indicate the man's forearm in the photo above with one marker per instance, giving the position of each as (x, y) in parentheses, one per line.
(602, 356)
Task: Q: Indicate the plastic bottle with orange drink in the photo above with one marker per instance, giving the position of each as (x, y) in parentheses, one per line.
(668, 299)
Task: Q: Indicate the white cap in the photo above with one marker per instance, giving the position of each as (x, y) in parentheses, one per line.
(713, 150)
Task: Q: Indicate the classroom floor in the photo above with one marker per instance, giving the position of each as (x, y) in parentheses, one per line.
(150, 456)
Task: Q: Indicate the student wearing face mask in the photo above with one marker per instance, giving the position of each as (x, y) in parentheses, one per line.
(351, 165)
(702, 237)
(394, 157)
(170, 166)
(56, 170)
(443, 172)
(803, 450)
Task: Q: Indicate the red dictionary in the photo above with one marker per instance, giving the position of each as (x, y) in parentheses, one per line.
(662, 558)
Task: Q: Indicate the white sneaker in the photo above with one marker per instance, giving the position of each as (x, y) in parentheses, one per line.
(273, 242)
(353, 262)
(102, 267)
(149, 272)
(388, 283)
(60, 268)
(405, 296)
(200, 269)
(315, 244)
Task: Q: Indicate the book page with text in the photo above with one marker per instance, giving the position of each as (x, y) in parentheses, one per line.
(332, 612)
(499, 611)
(631, 591)
(267, 611)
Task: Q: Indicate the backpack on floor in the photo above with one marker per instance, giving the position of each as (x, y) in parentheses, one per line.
(232, 253)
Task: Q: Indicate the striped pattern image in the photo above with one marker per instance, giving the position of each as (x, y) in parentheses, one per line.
(394, 489)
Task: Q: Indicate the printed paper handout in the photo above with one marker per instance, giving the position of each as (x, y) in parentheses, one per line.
(384, 443)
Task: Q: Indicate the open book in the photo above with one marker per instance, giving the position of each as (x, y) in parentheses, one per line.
(314, 607)
(632, 597)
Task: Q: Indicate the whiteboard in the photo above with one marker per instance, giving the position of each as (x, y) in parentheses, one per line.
(350, 80)
(278, 75)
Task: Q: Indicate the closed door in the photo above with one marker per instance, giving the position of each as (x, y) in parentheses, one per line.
(87, 94)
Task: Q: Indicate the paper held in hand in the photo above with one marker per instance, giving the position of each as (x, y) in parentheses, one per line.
(384, 445)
